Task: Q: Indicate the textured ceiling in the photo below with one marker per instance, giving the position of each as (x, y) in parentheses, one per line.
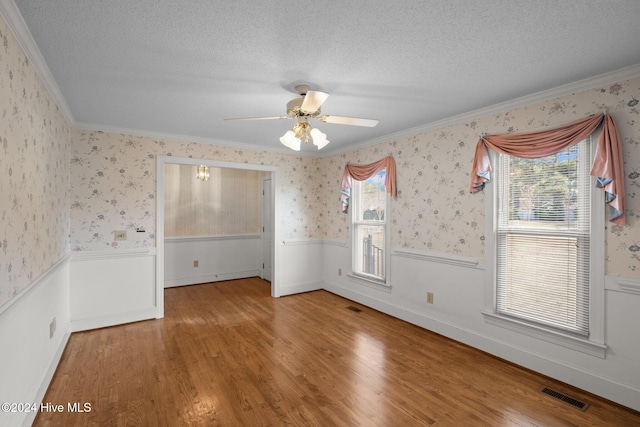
(180, 67)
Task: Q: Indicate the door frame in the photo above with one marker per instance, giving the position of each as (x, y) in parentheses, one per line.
(164, 160)
(262, 234)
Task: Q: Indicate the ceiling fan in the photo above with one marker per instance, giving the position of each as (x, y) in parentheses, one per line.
(305, 108)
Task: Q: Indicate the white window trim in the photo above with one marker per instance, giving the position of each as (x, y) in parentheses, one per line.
(595, 343)
(364, 279)
(369, 282)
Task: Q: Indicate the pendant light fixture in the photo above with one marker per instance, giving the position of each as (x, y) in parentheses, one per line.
(202, 173)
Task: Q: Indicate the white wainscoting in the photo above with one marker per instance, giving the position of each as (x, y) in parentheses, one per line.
(112, 287)
(219, 258)
(300, 266)
(458, 287)
(28, 356)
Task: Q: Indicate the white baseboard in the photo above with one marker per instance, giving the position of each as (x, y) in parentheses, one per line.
(301, 288)
(218, 277)
(44, 386)
(85, 324)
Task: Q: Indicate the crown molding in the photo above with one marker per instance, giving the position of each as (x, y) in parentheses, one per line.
(611, 77)
(98, 127)
(14, 20)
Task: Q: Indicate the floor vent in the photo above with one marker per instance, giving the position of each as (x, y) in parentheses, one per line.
(566, 399)
(352, 308)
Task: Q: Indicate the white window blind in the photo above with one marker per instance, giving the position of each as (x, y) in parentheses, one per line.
(543, 237)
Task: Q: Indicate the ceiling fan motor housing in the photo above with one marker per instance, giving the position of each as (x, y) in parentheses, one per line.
(293, 108)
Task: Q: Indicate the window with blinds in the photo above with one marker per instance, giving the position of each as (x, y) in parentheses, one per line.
(542, 239)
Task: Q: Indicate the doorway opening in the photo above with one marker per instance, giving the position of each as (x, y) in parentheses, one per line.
(268, 224)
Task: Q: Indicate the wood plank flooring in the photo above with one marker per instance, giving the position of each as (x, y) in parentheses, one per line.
(227, 354)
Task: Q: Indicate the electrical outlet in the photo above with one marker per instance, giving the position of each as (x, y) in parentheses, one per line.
(339, 272)
(120, 235)
(429, 297)
(196, 263)
(52, 328)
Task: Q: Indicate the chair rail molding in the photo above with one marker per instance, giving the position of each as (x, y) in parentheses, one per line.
(439, 258)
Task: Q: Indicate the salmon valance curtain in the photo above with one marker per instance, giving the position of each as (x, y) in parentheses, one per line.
(607, 164)
(364, 172)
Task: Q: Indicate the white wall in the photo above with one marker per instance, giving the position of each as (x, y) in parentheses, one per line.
(219, 258)
(28, 356)
(300, 266)
(458, 287)
(112, 287)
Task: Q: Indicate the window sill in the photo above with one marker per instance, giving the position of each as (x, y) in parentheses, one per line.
(372, 283)
(575, 343)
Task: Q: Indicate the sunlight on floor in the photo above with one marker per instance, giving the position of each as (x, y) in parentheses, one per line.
(368, 379)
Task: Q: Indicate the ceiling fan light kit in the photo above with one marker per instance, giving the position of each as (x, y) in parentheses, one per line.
(319, 139)
(303, 109)
(290, 140)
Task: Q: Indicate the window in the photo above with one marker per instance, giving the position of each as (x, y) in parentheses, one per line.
(545, 220)
(369, 217)
(543, 239)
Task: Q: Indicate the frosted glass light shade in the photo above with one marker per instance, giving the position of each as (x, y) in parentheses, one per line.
(319, 139)
(289, 140)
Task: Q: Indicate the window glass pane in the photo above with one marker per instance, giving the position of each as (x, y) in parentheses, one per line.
(372, 198)
(543, 239)
(545, 193)
(369, 201)
(369, 250)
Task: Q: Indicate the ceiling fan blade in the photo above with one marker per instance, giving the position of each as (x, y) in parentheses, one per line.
(257, 118)
(313, 100)
(355, 121)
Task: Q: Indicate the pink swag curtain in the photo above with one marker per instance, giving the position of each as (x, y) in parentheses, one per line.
(607, 164)
(364, 172)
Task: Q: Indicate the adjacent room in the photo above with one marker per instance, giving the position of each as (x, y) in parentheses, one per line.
(250, 213)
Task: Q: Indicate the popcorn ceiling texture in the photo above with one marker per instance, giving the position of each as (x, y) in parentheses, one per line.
(181, 67)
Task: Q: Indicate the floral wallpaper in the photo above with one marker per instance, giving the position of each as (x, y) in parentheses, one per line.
(34, 173)
(434, 210)
(114, 187)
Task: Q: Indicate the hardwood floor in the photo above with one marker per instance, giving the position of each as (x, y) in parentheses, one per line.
(227, 354)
